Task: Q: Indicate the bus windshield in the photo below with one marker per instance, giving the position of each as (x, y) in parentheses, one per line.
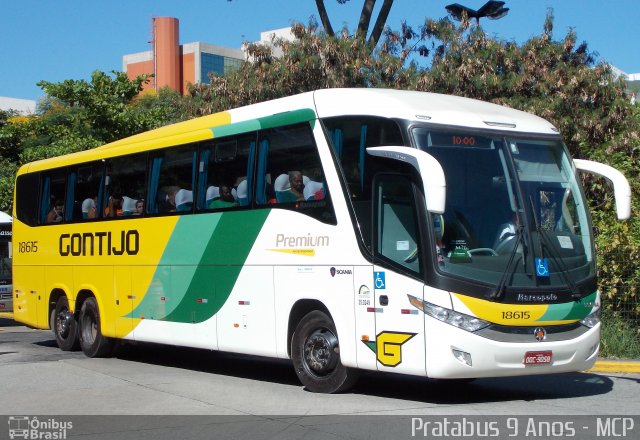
(515, 215)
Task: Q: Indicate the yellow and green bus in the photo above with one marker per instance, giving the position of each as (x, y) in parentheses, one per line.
(344, 229)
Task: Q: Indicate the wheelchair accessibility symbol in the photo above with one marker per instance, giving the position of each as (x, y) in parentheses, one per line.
(378, 280)
(542, 267)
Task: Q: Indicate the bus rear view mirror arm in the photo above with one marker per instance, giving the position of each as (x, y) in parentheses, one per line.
(428, 167)
(621, 188)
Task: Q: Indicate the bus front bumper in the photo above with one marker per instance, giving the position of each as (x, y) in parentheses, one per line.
(455, 353)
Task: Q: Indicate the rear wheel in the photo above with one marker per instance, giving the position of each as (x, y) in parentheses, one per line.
(315, 351)
(92, 342)
(65, 326)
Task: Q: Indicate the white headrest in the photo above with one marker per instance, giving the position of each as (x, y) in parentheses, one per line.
(128, 204)
(242, 189)
(184, 196)
(282, 183)
(311, 188)
(88, 204)
(213, 192)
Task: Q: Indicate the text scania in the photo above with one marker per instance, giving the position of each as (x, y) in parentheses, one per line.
(99, 243)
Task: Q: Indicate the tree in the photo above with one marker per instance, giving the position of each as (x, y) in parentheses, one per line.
(365, 20)
(363, 23)
(104, 103)
(77, 115)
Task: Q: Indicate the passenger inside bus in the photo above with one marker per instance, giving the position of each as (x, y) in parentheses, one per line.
(139, 207)
(89, 210)
(167, 199)
(290, 187)
(55, 215)
(114, 207)
(225, 199)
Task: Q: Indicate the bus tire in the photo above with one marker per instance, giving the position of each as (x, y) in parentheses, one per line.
(65, 326)
(92, 342)
(315, 352)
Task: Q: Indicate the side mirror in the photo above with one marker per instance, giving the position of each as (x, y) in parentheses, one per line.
(433, 180)
(621, 188)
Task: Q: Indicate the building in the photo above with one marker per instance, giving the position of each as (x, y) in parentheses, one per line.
(22, 106)
(176, 66)
(268, 37)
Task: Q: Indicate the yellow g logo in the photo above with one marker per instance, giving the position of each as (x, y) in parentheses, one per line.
(388, 347)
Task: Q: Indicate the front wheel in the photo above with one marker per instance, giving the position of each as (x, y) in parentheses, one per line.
(315, 351)
(92, 342)
(64, 326)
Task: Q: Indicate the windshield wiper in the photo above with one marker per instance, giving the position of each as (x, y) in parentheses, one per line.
(544, 241)
(498, 294)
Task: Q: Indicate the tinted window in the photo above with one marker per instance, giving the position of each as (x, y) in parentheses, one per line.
(85, 191)
(223, 173)
(171, 180)
(290, 174)
(27, 198)
(125, 185)
(52, 197)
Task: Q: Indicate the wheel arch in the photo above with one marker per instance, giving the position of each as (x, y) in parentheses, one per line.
(54, 296)
(81, 297)
(298, 311)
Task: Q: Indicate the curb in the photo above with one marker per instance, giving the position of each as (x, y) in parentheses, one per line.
(616, 367)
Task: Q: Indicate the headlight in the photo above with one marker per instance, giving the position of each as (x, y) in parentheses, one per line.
(592, 318)
(460, 320)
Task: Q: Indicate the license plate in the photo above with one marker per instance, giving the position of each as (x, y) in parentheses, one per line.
(537, 357)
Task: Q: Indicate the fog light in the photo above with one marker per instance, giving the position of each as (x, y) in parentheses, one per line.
(462, 356)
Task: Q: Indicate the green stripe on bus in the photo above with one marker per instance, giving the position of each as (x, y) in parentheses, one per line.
(176, 266)
(236, 128)
(221, 262)
(569, 311)
(288, 118)
(277, 120)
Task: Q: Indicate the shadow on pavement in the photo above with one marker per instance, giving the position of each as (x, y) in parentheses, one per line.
(527, 388)
(6, 321)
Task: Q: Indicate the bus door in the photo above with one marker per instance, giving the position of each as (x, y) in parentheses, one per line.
(399, 341)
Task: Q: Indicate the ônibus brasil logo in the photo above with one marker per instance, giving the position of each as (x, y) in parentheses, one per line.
(33, 428)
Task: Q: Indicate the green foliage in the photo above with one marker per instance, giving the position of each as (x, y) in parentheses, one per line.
(104, 103)
(620, 338)
(77, 115)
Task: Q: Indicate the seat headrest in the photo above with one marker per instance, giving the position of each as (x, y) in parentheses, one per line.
(184, 196)
(213, 192)
(313, 190)
(128, 204)
(88, 204)
(282, 183)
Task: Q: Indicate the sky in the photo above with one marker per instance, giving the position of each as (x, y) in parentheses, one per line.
(68, 39)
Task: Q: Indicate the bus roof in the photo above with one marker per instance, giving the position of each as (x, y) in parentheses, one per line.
(398, 104)
(430, 107)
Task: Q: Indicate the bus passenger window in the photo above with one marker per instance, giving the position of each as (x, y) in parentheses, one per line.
(85, 187)
(171, 180)
(125, 184)
(290, 173)
(52, 197)
(224, 167)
